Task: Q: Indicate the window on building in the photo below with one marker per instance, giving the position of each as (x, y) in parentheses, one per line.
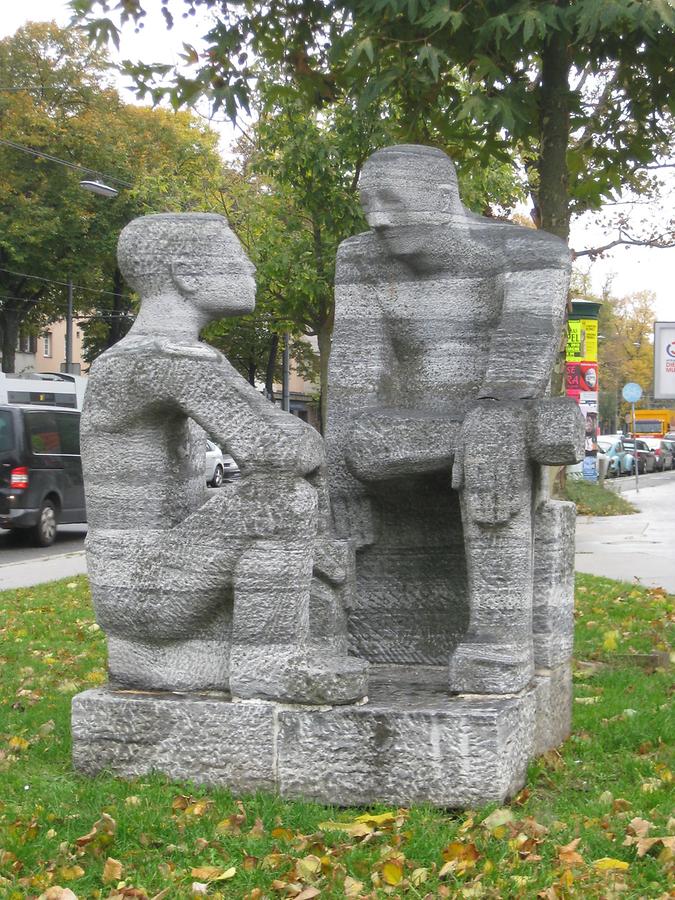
(26, 343)
(47, 343)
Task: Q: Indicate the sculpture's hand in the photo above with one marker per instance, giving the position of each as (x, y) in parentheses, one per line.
(491, 461)
(311, 452)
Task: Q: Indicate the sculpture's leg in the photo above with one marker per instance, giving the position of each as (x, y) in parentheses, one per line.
(495, 656)
(165, 608)
(271, 655)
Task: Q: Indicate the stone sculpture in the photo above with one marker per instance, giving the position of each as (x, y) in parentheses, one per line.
(426, 550)
(198, 593)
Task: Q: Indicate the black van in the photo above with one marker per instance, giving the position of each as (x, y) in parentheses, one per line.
(41, 481)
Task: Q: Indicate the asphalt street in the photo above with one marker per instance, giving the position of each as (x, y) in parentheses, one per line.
(22, 564)
(639, 547)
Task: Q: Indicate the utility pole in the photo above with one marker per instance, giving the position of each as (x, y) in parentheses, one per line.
(285, 373)
(69, 328)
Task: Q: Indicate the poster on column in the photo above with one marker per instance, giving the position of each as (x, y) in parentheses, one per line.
(580, 377)
(582, 340)
(588, 404)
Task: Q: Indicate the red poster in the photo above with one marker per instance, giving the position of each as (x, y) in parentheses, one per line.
(581, 376)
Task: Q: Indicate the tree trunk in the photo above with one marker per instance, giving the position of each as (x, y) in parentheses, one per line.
(252, 370)
(324, 339)
(554, 114)
(10, 321)
(271, 366)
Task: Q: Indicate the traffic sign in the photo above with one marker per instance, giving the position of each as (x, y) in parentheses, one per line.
(631, 392)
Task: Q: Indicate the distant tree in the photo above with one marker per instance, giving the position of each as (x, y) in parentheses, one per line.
(54, 98)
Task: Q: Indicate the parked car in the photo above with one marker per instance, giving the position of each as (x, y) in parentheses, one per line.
(646, 459)
(41, 482)
(615, 452)
(671, 446)
(662, 452)
(218, 465)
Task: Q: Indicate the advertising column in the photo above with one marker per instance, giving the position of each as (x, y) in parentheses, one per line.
(581, 374)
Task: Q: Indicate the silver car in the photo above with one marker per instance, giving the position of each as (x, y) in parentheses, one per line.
(218, 465)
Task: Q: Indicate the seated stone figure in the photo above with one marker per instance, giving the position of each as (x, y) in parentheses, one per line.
(197, 590)
(447, 325)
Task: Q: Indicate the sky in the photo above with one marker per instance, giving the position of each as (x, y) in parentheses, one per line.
(631, 269)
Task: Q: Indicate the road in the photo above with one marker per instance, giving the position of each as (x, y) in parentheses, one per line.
(638, 547)
(22, 565)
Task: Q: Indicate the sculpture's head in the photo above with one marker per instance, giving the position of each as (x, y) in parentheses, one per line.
(196, 255)
(409, 184)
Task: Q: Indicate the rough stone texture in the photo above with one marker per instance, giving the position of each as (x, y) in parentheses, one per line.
(198, 591)
(553, 692)
(424, 547)
(553, 619)
(446, 328)
(409, 743)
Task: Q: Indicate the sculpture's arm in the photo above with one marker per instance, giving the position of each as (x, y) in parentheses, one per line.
(528, 333)
(257, 434)
(519, 365)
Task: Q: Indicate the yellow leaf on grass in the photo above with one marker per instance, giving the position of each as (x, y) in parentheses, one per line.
(213, 873)
(70, 873)
(378, 819)
(464, 855)
(282, 834)
(112, 870)
(607, 863)
(355, 829)
(392, 872)
(18, 743)
(308, 868)
(610, 641)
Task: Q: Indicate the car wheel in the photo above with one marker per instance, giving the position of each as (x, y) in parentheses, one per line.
(44, 531)
(217, 479)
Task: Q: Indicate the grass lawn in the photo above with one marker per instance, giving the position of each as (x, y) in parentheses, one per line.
(595, 819)
(595, 500)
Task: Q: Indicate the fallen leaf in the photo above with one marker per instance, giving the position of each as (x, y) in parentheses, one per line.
(70, 873)
(568, 855)
(307, 894)
(419, 876)
(132, 801)
(258, 829)
(497, 818)
(352, 887)
(58, 893)
(105, 826)
(308, 868)
(18, 743)
(639, 827)
(112, 870)
(392, 872)
(230, 825)
(199, 889)
(355, 829)
(610, 641)
(386, 818)
(607, 863)
(213, 873)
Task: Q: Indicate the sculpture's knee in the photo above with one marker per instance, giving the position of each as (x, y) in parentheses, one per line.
(157, 587)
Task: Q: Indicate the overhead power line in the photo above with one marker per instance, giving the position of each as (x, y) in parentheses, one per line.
(76, 287)
(64, 162)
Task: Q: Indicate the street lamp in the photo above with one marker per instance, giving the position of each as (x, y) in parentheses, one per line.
(97, 187)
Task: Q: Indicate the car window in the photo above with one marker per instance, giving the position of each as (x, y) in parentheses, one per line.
(6, 430)
(69, 432)
(43, 432)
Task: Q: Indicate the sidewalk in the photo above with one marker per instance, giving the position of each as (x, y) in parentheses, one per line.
(638, 548)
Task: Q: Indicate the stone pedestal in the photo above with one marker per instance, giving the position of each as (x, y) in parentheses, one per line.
(410, 742)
